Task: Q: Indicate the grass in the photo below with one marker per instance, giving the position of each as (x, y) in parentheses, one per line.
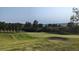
(37, 41)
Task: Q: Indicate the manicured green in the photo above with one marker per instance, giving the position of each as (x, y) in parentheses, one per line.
(37, 41)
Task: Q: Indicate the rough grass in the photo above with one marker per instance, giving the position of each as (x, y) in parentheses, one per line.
(33, 41)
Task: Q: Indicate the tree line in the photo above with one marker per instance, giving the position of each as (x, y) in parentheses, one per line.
(70, 28)
(27, 27)
(39, 27)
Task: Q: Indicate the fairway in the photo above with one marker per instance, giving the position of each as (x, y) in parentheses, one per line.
(37, 41)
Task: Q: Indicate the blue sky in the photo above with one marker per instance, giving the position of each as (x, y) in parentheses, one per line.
(42, 14)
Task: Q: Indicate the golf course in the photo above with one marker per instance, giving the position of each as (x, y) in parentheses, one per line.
(38, 41)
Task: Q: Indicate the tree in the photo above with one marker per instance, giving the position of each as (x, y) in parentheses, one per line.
(18, 27)
(2, 26)
(35, 25)
(73, 26)
(27, 27)
(75, 17)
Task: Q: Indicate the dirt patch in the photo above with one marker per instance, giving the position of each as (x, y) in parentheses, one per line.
(57, 38)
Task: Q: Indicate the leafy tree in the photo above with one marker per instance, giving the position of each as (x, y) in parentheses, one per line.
(75, 17)
(27, 27)
(35, 25)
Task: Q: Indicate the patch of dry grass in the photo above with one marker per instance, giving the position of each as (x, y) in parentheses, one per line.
(29, 41)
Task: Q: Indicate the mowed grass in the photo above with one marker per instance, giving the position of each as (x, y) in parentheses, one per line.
(37, 41)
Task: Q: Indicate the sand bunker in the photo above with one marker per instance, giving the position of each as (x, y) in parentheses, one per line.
(57, 38)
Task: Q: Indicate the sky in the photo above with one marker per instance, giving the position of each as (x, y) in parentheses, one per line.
(42, 14)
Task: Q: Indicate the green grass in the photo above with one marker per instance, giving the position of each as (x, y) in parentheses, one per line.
(37, 41)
